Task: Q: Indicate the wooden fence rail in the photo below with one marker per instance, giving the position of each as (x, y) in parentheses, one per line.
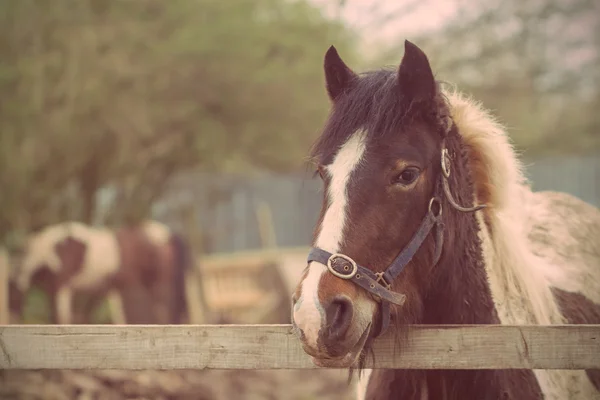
(158, 347)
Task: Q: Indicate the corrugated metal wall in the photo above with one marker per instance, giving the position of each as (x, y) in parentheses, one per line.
(579, 176)
(226, 205)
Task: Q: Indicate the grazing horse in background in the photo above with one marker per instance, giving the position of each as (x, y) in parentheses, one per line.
(145, 264)
(427, 218)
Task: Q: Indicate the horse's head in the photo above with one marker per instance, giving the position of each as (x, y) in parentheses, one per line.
(385, 159)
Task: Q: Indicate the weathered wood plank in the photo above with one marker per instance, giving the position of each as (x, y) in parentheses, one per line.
(275, 347)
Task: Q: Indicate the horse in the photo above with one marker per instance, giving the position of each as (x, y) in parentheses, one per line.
(427, 218)
(144, 263)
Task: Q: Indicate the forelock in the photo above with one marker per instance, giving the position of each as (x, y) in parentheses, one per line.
(374, 104)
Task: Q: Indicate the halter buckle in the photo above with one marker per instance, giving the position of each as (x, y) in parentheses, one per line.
(381, 280)
(349, 269)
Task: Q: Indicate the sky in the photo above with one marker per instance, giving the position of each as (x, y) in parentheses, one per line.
(424, 15)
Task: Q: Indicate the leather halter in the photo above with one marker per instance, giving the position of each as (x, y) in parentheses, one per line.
(379, 284)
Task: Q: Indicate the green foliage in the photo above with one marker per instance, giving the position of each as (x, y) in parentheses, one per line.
(36, 309)
(534, 64)
(128, 93)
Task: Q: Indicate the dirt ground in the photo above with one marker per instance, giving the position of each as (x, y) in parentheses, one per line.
(176, 385)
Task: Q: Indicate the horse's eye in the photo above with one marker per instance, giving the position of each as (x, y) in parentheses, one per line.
(408, 176)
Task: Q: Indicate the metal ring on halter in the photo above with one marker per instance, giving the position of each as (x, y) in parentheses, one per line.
(445, 163)
(439, 203)
(350, 275)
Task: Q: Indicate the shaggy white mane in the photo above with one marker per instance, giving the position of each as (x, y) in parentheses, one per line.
(518, 278)
(520, 292)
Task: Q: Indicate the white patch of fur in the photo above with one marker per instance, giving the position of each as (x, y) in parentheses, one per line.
(363, 383)
(562, 229)
(518, 280)
(345, 162)
(102, 256)
(308, 312)
(158, 233)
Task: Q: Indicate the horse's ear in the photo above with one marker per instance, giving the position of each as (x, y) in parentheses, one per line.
(415, 76)
(338, 77)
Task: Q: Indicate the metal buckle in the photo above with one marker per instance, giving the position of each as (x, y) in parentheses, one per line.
(439, 203)
(351, 271)
(381, 280)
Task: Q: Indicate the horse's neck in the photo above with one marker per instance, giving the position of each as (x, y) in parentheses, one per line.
(460, 292)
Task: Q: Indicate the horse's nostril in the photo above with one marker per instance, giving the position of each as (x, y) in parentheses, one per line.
(339, 317)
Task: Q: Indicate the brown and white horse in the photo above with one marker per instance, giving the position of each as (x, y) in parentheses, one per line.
(428, 219)
(145, 264)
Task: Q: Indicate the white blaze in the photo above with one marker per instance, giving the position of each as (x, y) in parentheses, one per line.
(308, 311)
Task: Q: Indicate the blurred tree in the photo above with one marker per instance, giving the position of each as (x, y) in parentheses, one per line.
(534, 63)
(127, 93)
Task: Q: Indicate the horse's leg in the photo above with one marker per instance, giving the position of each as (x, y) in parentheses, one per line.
(93, 301)
(162, 296)
(137, 303)
(182, 261)
(160, 287)
(16, 301)
(82, 307)
(63, 302)
(51, 301)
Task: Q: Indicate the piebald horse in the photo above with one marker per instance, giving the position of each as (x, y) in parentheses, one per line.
(145, 264)
(427, 218)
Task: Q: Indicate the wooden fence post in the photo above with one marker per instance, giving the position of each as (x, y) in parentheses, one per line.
(265, 226)
(195, 298)
(4, 287)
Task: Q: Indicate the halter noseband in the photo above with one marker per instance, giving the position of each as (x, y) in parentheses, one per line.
(379, 283)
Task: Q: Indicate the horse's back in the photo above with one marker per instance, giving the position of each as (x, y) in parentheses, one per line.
(564, 217)
(138, 254)
(564, 232)
(101, 259)
(158, 233)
